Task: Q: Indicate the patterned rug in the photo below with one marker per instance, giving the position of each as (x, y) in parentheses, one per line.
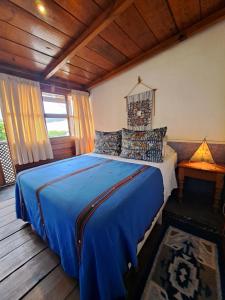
(186, 267)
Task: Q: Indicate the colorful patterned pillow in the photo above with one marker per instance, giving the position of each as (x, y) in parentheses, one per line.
(108, 142)
(143, 145)
(161, 130)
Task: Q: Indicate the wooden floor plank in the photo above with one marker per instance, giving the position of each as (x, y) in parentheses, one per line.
(7, 219)
(11, 228)
(7, 193)
(16, 258)
(7, 210)
(25, 278)
(57, 285)
(74, 295)
(15, 240)
(28, 269)
(7, 203)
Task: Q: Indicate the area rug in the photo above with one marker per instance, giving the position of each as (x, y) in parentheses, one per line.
(186, 267)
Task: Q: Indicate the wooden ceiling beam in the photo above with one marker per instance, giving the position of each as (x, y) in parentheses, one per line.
(175, 39)
(100, 23)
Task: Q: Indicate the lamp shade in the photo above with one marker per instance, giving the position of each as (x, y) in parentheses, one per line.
(203, 153)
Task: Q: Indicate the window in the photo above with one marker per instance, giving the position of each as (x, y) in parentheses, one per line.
(2, 129)
(56, 116)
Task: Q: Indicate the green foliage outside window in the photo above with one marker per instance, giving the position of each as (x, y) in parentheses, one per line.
(57, 133)
(51, 133)
(2, 131)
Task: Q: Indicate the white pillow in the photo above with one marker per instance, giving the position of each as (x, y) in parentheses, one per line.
(169, 150)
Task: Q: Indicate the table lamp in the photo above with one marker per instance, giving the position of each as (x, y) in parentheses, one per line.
(202, 154)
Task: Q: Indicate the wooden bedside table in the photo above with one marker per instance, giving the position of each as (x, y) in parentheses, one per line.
(204, 171)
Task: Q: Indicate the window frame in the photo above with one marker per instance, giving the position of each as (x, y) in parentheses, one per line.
(58, 116)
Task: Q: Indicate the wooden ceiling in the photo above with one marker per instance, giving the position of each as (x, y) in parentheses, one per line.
(82, 42)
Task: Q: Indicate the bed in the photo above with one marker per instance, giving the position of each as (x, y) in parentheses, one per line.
(96, 211)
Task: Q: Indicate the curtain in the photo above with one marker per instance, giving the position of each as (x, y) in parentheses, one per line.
(81, 122)
(22, 111)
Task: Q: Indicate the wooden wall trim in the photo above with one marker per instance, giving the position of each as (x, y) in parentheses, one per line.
(54, 83)
(62, 147)
(186, 149)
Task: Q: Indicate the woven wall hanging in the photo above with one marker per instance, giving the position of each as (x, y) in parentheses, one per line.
(140, 108)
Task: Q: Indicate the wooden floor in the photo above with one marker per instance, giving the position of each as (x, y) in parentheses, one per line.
(28, 268)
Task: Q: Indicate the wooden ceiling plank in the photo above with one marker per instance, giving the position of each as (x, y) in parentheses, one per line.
(86, 11)
(24, 63)
(188, 32)
(21, 37)
(135, 27)
(210, 6)
(106, 18)
(157, 15)
(86, 65)
(54, 16)
(185, 12)
(78, 71)
(105, 49)
(119, 39)
(95, 58)
(103, 3)
(18, 17)
(22, 51)
(70, 77)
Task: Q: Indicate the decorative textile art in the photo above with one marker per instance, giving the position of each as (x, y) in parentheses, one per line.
(139, 110)
(108, 142)
(186, 268)
(143, 145)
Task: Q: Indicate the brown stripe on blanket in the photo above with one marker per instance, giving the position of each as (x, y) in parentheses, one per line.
(22, 204)
(60, 179)
(89, 210)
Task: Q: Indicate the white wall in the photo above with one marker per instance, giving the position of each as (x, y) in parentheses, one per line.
(190, 100)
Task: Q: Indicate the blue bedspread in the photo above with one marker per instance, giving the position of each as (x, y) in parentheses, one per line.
(92, 212)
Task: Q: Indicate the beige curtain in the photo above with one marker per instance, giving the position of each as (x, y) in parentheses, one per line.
(22, 112)
(81, 122)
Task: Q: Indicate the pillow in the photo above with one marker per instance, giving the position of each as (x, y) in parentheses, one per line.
(143, 145)
(161, 130)
(108, 142)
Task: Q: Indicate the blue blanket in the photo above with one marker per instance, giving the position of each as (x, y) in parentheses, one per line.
(92, 212)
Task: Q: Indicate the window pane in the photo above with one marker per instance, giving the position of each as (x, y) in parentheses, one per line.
(2, 129)
(54, 104)
(57, 127)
